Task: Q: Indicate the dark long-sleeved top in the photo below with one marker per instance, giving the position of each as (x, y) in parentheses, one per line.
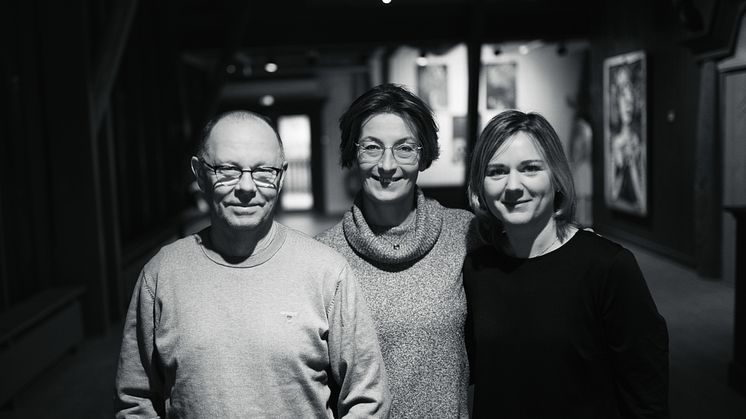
(573, 333)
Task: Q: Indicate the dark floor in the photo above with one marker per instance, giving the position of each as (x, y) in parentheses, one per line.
(699, 314)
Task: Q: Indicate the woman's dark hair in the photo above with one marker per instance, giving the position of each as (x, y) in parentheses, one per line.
(502, 128)
(394, 99)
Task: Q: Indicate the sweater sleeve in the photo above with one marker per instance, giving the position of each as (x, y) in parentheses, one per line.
(638, 340)
(355, 355)
(139, 383)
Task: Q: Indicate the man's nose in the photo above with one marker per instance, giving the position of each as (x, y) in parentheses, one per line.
(245, 184)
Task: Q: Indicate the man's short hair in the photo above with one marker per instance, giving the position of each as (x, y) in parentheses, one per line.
(235, 115)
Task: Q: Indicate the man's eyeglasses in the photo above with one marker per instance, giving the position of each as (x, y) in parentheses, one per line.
(372, 152)
(263, 177)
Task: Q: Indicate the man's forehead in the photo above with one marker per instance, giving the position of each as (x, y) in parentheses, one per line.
(240, 131)
(253, 126)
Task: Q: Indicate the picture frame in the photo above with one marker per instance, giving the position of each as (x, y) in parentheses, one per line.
(500, 85)
(625, 133)
(432, 85)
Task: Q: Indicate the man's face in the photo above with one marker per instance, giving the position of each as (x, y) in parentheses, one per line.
(245, 144)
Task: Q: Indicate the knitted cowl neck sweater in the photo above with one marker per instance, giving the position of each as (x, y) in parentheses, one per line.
(417, 301)
(401, 244)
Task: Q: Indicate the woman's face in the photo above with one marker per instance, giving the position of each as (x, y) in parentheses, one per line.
(518, 184)
(387, 180)
(625, 98)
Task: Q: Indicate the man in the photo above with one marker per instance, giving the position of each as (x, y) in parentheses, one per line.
(247, 318)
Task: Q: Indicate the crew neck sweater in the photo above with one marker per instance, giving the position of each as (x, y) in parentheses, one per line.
(411, 278)
(267, 336)
(573, 333)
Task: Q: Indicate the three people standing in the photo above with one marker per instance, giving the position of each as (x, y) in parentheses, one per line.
(250, 318)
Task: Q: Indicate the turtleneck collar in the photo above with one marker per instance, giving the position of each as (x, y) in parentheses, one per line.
(399, 244)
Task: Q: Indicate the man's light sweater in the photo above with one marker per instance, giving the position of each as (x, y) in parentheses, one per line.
(416, 297)
(264, 337)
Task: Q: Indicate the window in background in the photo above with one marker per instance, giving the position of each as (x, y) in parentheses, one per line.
(295, 131)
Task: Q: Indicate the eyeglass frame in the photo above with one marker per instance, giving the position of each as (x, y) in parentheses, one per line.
(360, 149)
(278, 173)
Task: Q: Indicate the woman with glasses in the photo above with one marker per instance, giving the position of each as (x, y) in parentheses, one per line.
(561, 321)
(407, 251)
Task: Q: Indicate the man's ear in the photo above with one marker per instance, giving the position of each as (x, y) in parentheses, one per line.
(282, 177)
(196, 167)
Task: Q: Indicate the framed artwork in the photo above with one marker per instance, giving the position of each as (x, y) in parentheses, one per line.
(500, 85)
(432, 85)
(459, 140)
(625, 133)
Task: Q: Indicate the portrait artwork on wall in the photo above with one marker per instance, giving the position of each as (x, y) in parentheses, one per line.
(500, 85)
(432, 85)
(625, 133)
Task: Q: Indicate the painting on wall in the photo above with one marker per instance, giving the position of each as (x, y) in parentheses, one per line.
(459, 140)
(625, 133)
(500, 85)
(432, 85)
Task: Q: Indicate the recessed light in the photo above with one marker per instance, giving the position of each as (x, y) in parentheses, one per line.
(270, 67)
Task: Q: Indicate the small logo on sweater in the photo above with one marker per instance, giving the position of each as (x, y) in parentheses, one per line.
(289, 315)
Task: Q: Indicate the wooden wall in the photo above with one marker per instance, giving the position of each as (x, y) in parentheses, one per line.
(95, 119)
(673, 119)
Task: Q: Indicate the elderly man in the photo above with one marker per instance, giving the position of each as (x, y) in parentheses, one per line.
(247, 318)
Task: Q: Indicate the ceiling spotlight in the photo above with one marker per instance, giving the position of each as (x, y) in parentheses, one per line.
(386, 1)
(267, 100)
(523, 49)
(230, 68)
(422, 59)
(561, 49)
(270, 66)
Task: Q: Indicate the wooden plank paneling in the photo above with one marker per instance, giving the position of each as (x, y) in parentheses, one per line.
(78, 238)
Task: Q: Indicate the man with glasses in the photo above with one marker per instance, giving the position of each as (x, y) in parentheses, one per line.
(248, 318)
